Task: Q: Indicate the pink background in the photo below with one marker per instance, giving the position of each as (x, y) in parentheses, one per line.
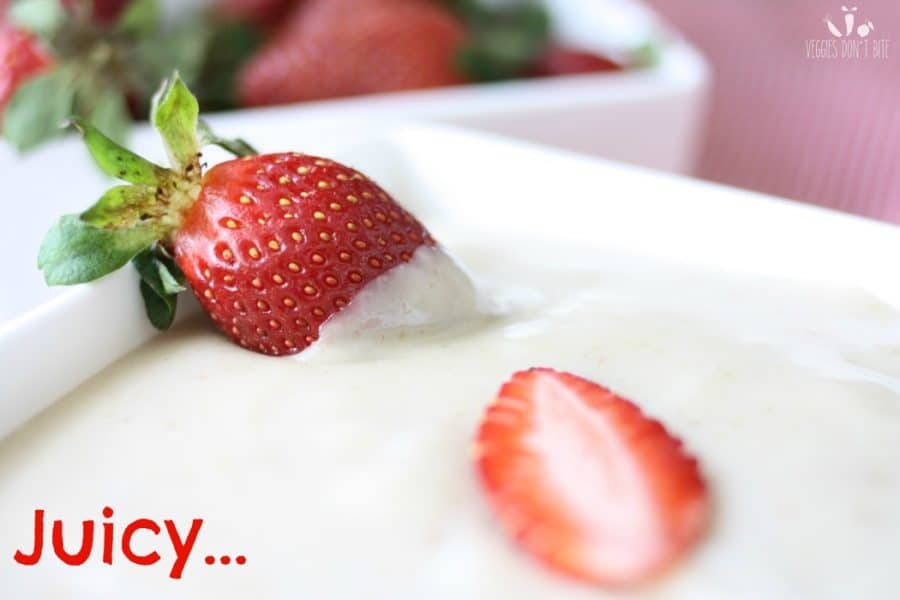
(824, 131)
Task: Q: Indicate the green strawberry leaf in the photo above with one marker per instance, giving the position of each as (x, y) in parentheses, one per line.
(160, 272)
(161, 282)
(505, 40)
(174, 113)
(37, 109)
(139, 18)
(183, 46)
(44, 18)
(109, 113)
(496, 57)
(116, 161)
(236, 146)
(230, 45)
(75, 252)
(160, 309)
(173, 280)
(124, 207)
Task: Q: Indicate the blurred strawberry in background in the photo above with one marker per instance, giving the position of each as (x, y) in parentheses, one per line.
(102, 59)
(21, 57)
(334, 48)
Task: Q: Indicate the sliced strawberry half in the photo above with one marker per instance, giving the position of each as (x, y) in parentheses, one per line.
(585, 482)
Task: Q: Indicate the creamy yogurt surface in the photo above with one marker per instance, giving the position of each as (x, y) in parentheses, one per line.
(347, 474)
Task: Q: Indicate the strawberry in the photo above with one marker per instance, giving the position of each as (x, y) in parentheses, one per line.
(21, 58)
(272, 245)
(334, 48)
(276, 244)
(587, 483)
(558, 59)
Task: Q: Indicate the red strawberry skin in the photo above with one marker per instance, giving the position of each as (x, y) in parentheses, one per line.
(558, 59)
(585, 482)
(275, 244)
(336, 48)
(21, 57)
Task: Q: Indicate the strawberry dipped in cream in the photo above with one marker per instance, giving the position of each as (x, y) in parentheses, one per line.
(272, 245)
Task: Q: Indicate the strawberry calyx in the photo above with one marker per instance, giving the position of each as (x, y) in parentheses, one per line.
(137, 221)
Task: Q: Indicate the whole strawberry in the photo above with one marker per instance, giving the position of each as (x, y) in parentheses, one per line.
(21, 57)
(275, 244)
(334, 48)
(272, 245)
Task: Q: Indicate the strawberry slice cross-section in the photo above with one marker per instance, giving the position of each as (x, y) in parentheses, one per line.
(585, 482)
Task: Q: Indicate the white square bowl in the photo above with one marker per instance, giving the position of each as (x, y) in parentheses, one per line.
(477, 180)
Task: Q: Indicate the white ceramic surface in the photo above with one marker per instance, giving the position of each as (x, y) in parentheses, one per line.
(478, 180)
